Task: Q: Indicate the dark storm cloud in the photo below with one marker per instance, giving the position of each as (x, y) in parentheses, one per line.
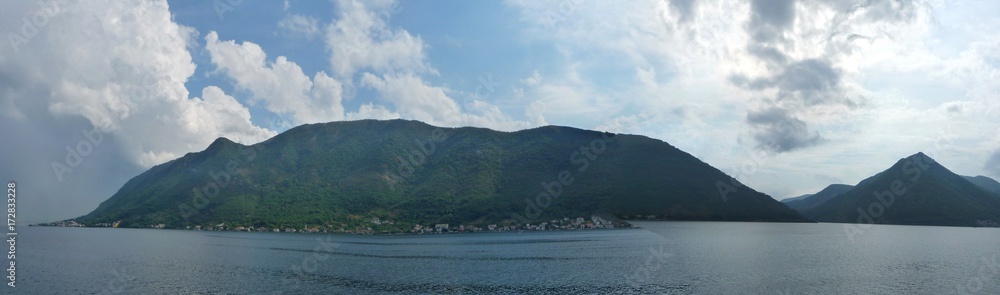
(811, 81)
(768, 53)
(804, 83)
(797, 85)
(770, 18)
(780, 131)
(683, 7)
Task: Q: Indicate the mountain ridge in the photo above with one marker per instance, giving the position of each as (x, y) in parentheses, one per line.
(829, 192)
(343, 173)
(916, 190)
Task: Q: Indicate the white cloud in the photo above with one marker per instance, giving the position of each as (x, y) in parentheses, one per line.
(280, 85)
(898, 71)
(414, 99)
(361, 38)
(118, 65)
(536, 113)
(302, 26)
(391, 61)
(122, 66)
(372, 111)
(532, 80)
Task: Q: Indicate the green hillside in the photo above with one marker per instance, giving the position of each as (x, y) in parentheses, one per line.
(818, 198)
(915, 191)
(346, 173)
(985, 183)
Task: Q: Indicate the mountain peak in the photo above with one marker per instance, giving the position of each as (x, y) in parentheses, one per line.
(922, 160)
(917, 190)
(220, 143)
(920, 155)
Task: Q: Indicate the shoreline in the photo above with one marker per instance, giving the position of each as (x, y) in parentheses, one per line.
(350, 233)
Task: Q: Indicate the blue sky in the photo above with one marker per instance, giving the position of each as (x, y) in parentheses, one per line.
(787, 96)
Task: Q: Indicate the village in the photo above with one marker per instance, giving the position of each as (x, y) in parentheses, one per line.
(377, 226)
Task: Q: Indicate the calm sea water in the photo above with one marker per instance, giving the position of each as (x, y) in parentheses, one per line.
(660, 258)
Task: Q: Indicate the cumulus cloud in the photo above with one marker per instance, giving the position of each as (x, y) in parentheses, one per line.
(780, 131)
(411, 96)
(301, 26)
(373, 111)
(104, 81)
(91, 61)
(361, 38)
(795, 77)
(414, 99)
(280, 85)
(391, 61)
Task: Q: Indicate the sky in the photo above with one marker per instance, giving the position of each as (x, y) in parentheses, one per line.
(786, 96)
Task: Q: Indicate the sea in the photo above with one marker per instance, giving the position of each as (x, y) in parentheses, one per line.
(656, 258)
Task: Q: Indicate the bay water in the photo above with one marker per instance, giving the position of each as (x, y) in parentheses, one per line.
(657, 258)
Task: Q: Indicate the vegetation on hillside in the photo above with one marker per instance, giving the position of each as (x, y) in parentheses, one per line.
(344, 174)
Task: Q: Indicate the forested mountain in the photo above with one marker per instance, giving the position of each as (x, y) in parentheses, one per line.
(917, 190)
(345, 174)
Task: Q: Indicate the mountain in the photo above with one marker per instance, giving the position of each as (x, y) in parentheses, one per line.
(786, 200)
(814, 200)
(916, 191)
(985, 183)
(347, 174)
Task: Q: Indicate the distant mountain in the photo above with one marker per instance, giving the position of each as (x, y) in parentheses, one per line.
(346, 174)
(917, 191)
(985, 183)
(814, 200)
(786, 200)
